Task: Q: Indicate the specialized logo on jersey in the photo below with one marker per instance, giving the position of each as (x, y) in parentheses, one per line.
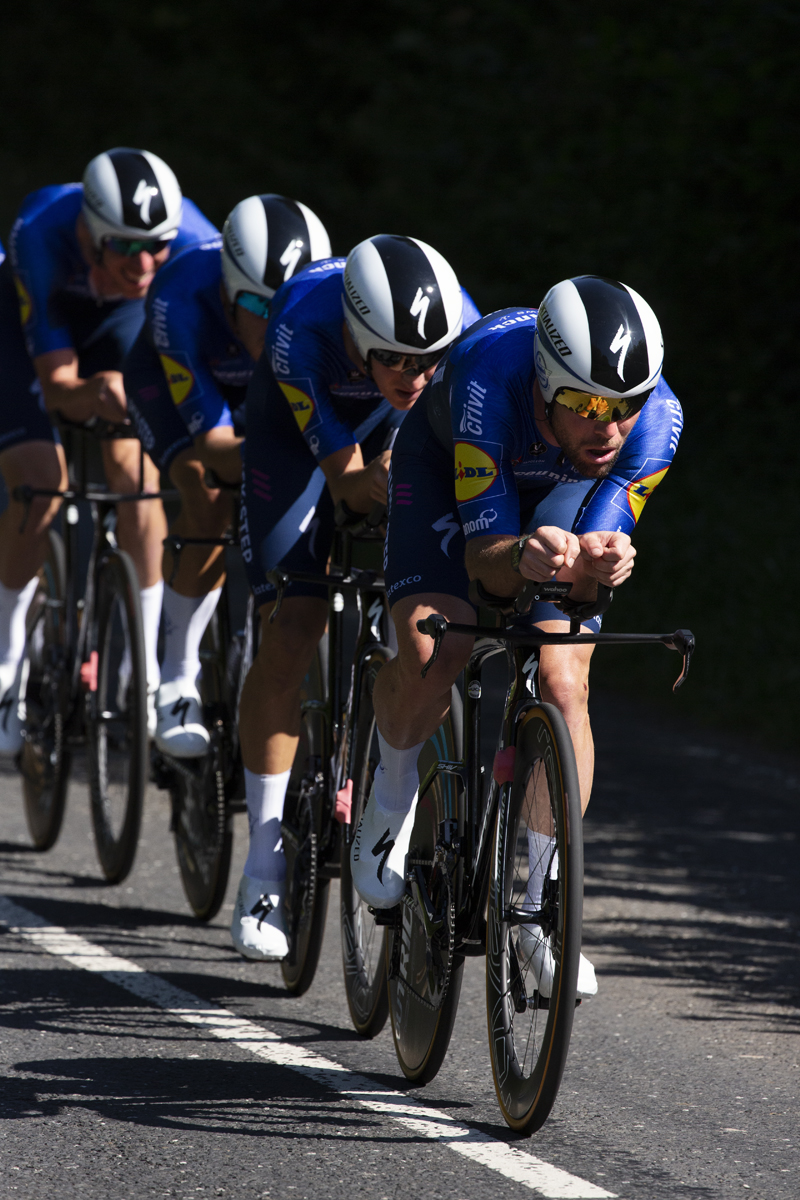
(639, 491)
(301, 404)
(25, 302)
(179, 378)
(476, 471)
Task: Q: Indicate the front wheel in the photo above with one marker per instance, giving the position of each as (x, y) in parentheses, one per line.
(306, 899)
(363, 941)
(424, 972)
(116, 716)
(537, 872)
(44, 760)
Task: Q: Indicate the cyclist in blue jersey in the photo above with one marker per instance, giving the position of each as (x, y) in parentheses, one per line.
(185, 379)
(530, 456)
(81, 258)
(349, 347)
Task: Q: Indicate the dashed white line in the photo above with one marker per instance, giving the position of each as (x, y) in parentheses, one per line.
(506, 1160)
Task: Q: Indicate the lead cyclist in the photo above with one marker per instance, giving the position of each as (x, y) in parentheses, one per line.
(529, 457)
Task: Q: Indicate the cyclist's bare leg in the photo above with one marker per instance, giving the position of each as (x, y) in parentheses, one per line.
(142, 525)
(269, 713)
(205, 512)
(564, 681)
(23, 550)
(408, 708)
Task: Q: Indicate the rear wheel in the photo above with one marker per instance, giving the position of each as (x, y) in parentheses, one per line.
(306, 898)
(529, 1033)
(424, 973)
(116, 717)
(44, 698)
(363, 948)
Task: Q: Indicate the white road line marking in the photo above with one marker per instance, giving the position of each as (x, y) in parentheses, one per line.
(432, 1123)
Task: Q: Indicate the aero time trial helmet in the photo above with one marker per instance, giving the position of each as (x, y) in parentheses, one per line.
(265, 241)
(131, 194)
(598, 348)
(401, 297)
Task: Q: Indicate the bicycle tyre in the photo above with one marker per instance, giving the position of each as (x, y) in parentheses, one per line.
(116, 716)
(44, 760)
(202, 821)
(527, 1060)
(306, 897)
(363, 942)
(423, 1017)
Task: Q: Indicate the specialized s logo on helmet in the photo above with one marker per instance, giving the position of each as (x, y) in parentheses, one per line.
(621, 342)
(143, 197)
(419, 308)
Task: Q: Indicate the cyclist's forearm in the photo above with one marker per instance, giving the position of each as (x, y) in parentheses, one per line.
(224, 458)
(355, 488)
(489, 561)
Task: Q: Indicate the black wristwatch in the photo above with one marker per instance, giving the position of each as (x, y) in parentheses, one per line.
(517, 548)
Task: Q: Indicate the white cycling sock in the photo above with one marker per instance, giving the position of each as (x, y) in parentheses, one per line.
(14, 605)
(542, 859)
(185, 620)
(265, 797)
(396, 779)
(151, 598)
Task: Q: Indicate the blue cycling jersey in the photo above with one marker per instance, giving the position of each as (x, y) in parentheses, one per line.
(58, 307)
(480, 402)
(206, 367)
(329, 396)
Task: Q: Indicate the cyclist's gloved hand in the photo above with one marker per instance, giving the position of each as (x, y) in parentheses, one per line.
(608, 557)
(547, 551)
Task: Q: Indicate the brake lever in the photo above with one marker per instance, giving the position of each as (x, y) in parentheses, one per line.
(435, 627)
(280, 581)
(683, 641)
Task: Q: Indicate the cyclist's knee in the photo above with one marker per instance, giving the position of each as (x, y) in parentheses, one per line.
(415, 648)
(564, 680)
(288, 644)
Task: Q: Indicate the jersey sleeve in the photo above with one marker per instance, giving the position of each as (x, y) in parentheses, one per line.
(481, 408)
(195, 229)
(35, 262)
(175, 327)
(470, 312)
(297, 357)
(616, 502)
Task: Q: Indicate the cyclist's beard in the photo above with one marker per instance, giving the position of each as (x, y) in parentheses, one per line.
(577, 450)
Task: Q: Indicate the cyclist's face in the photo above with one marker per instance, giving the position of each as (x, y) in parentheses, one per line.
(250, 330)
(130, 275)
(591, 446)
(401, 388)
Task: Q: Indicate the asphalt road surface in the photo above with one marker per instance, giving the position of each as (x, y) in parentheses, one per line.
(143, 1057)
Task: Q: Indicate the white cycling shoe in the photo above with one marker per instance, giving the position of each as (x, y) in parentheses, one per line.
(257, 925)
(179, 721)
(379, 852)
(10, 725)
(535, 953)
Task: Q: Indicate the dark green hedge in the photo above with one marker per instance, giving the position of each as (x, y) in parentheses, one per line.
(528, 141)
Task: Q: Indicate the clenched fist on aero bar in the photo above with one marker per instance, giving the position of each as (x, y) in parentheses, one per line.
(560, 425)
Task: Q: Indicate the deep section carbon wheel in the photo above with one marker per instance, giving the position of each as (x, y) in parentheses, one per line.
(424, 971)
(44, 760)
(538, 848)
(363, 950)
(116, 716)
(306, 899)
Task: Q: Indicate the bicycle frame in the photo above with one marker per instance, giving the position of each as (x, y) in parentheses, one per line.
(523, 649)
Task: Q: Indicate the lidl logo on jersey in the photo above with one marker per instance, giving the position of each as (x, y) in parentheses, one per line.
(476, 470)
(179, 378)
(25, 302)
(640, 489)
(300, 402)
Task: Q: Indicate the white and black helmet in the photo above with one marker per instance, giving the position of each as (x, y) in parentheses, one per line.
(131, 194)
(402, 296)
(266, 240)
(598, 347)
